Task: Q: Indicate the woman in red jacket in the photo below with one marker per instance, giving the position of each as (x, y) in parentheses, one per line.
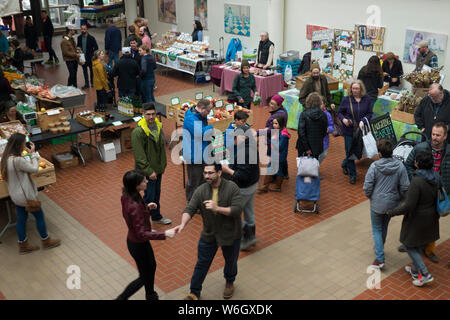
(137, 216)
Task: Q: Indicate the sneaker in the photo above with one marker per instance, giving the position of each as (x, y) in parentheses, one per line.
(409, 270)
(352, 180)
(56, 61)
(48, 62)
(423, 280)
(191, 296)
(402, 248)
(163, 221)
(85, 87)
(229, 290)
(433, 258)
(345, 170)
(378, 264)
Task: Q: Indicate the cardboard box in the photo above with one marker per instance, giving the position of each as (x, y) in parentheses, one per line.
(108, 151)
(116, 143)
(125, 139)
(333, 83)
(63, 164)
(402, 116)
(43, 119)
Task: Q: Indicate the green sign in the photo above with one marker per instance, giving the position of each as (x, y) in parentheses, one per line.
(382, 128)
(98, 120)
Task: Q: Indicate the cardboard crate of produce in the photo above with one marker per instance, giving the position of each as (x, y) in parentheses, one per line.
(172, 111)
(43, 119)
(66, 163)
(333, 83)
(89, 122)
(180, 117)
(125, 139)
(6, 128)
(222, 125)
(402, 116)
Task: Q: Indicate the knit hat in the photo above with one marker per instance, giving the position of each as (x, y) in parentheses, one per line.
(278, 99)
(126, 50)
(314, 66)
(423, 44)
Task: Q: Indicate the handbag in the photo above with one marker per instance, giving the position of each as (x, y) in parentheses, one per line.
(370, 149)
(32, 205)
(308, 167)
(338, 128)
(357, 147)
(443, 203)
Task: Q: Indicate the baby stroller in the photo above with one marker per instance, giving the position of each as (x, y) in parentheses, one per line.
(405, 146)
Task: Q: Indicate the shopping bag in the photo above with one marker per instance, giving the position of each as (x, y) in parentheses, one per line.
(337, 130)
(307, 189)
(308, 167)
(443, 203)
(370, 149)
(288, 73)
(82, 59)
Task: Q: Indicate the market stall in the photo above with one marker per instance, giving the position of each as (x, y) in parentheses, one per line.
(99, 12)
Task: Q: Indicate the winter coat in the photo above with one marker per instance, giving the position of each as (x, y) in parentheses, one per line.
(305, 65)
(326, 140)
(308, 87)
(47, 27)
(245, 174)
(312, 129)
(149, 151)
(30, 36)
(193, 147)
(68, 49)
(386, 184)
(243, 87)
(17, 59)
(91, 47)
(444, 170)
(234, 46)
(372, 82)
(362, 109)
(420, 225)
(395, 72)
(148, 66)
(113, 39)
(127, 70)
(100, 76)
(20, 179)
(425, 115)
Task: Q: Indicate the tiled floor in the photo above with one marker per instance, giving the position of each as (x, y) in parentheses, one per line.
(305, 256)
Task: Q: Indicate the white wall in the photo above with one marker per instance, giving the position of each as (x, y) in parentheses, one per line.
(396, 16)
(185, 20)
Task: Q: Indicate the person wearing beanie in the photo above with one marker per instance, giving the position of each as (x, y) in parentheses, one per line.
(127, 70)
(425, 57)
(316, 83)
(243, 85)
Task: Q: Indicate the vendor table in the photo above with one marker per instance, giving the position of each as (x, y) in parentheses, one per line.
(216, 75)
(99, 12)
(32, 63)
(266, 86)
(180, 63)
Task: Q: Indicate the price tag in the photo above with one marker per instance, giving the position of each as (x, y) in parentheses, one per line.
(219, 103)
(98, 120)
(53, 112)
(209, 98)
(136, 119)
(175, 101)
(211, 113)
(117, 123)
(229, 107)
(199, 96)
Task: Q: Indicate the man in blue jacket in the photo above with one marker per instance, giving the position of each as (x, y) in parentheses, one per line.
(88, 45)
(195, 126)
(113, 41)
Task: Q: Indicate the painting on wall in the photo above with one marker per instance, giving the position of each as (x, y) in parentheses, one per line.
(167, 11)
(437, 43)
(311, 28)
(237, 19)
(369, 38)
(201, 12)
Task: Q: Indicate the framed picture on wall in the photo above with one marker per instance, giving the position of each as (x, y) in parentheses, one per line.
(201, 12)
(237, 19)
(167, 11)
(437, 43)
(369, 38)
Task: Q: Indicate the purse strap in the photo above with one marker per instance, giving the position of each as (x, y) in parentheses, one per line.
(351, 108)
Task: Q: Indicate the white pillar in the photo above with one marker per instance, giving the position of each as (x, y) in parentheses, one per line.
(275, 24)
(130, 11)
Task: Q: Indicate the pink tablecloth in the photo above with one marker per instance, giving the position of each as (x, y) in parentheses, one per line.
(266, 86)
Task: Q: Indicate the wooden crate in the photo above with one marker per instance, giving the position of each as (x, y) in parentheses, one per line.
(66, 163)
(6, 134)
(43, 119)
(172, 111)
(222, 125)
(402, 116)
(89, 122)
(383, 90)
(333, 83)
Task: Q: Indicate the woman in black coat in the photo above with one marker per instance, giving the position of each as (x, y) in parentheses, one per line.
(372, 77)
(392, 70)
(30, 33)
(420, 224)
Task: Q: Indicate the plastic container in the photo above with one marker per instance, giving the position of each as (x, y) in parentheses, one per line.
(290, 55)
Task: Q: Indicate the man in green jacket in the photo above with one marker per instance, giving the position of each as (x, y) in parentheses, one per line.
(316, 83)
(220, 205)
(150, 157)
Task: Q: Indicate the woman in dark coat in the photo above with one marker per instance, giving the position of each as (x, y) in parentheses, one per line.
(372, 77)
(30, 33)
(420, 224)
(392, 70)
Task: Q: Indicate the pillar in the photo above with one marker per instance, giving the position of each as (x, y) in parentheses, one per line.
(275, 25)
(130, 11)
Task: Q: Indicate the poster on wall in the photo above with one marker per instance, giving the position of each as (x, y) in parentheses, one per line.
(437, 43)
(322, 49)
(201, 12)
(311, 28)
(369, 38)
(237, 19)
(167, 11)
(344, 54)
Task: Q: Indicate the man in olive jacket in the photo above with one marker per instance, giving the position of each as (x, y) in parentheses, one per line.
(220, 204)
(149, 150)
(70, 56)
(316, 83)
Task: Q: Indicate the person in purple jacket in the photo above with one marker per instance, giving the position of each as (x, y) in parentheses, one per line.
(355, 107)
(326, 140)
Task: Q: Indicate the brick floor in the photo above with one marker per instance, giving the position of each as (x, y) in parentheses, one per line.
(398, 286)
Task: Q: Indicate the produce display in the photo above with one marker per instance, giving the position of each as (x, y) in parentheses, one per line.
(7, 129)
(40, 91)
(408, 103)
(423, 79)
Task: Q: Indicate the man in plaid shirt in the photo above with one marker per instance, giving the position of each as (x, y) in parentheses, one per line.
(425, 57)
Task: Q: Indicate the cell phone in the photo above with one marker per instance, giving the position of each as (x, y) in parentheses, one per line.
(28, 145)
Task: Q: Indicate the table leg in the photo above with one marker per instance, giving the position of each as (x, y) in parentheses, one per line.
(9, 224)
(184, 175)
(76, 149)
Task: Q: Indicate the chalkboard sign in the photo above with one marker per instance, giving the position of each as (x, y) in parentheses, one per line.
(382, 128)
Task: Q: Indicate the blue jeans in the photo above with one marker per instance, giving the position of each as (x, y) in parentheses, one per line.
(113, 56)
(249, 209)
(206, 253)
(350, 164)
(127, 93)
(147, 87)
(380, 224)
(21, 226)
(416, 256)
(153, 194)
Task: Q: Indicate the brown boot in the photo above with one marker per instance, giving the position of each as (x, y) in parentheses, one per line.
(265, 186)
(276, 187)
(229, 290)
(25, 247)
(50, 243)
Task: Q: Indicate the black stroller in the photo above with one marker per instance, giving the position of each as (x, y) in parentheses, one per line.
(405, 146)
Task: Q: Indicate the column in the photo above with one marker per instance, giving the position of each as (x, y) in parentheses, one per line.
(275, 23)
(130, 11)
